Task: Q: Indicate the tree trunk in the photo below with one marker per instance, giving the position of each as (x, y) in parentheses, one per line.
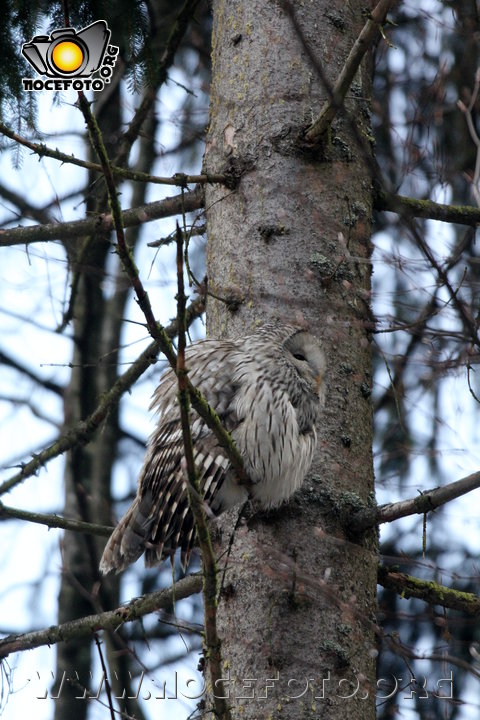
(292, 242)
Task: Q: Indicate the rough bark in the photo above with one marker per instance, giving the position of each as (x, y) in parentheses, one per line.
(292, 242)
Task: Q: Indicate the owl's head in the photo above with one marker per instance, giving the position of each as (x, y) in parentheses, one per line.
(304, 351)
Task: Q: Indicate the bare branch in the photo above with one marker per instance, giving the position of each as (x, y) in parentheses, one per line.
(84, 430)
(108, 689)
(155, 329)
(22, 207)
(54, 521)
(468, 112)
(124, 252)
(103, 223)
(423, 503)
(361, 135)
(341, 86)
(47, 384)
(469, 322)
(87, 626)
(179, 179)
(429, 500)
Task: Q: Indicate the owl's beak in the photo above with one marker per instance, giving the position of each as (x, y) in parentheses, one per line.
(318, 383)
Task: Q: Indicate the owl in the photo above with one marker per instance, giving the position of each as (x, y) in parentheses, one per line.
(267, 389)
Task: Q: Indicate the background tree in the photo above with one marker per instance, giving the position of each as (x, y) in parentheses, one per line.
(295, 196)
(428, 348)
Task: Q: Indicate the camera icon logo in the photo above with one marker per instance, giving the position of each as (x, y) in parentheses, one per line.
(66, 53)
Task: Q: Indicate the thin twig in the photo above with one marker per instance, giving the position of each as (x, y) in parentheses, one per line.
(123, 250)
(194, 200)
(108, 690)
(468, 112)
(468, 321)
(27, 372)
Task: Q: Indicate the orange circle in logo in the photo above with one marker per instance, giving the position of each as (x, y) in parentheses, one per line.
(67, 56)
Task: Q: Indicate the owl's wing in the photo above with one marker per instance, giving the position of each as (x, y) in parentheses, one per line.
(160, 520)
(277, 451)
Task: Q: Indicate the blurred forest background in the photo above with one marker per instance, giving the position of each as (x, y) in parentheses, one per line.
(53, 368)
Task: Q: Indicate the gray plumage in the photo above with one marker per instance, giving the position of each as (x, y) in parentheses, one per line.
(267, 390)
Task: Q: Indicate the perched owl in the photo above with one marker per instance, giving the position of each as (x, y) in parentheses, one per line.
(267, 390)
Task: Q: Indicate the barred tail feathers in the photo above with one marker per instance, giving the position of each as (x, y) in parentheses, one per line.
(129, 539)
(160, 520)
